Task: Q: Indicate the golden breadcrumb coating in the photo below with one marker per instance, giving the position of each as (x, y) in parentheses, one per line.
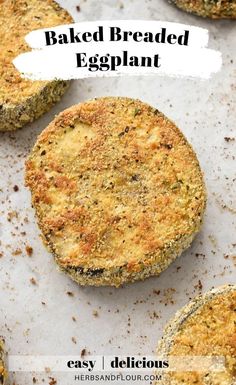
(117, 189)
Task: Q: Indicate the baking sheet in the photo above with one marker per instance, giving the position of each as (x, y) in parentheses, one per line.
(36, 304)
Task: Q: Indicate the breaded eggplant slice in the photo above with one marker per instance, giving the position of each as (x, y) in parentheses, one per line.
(215, 9)
(3, 371)
(22, 100)
(117, 189)
(204, 327)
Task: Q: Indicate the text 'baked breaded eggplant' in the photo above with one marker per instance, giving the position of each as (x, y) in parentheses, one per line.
(22, 100)
(118, 190)
(215, 9)
(206, 327)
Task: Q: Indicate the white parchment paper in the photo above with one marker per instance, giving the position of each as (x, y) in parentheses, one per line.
(42, 311)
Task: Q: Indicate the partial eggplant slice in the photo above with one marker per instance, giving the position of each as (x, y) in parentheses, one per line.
(22, 100)
(204, 327)
(3, 371)
(215, 9)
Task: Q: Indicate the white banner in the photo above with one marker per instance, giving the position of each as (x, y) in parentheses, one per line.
(118, 47)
